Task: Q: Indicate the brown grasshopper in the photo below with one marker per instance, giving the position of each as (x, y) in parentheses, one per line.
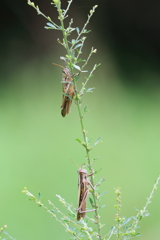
(68, 91)
(83, 191)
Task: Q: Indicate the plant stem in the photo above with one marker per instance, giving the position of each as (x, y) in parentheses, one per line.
(84, 132)
(90, 168)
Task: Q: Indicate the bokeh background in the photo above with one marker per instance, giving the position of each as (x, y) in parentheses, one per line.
(36, 143)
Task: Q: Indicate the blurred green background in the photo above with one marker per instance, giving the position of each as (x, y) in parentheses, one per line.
(36, 143)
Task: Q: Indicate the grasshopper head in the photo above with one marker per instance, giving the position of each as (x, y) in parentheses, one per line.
(66, 71)
(82, 171)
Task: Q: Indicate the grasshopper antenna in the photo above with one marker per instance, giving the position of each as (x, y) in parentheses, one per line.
(57, 65)
(75, 163)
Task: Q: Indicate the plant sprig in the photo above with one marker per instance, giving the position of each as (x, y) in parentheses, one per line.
(73, 51)
(125, 228)
(3, 231)
(76, 229)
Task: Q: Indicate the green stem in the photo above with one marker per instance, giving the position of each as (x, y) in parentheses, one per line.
(81, 121)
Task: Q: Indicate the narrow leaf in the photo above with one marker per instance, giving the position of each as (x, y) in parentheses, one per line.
(102, 206)
(73, 41)
(126, 221)
(90, 77)
(51, 26)
(81, 60)
(70, 29)
(63, 58)
(78, 140)
(67, 95)
(97, 142)
(146, 214)
(39, 196)
(94, 159)
(98, 65)
(136, 234)
(78, 45)
(67, 82)
(77, 67)
(136, 209)
(103, 193)
(83, 143)
(90, 89)
(98, 171)
(85, 109)
(77, 29)
(101, 180)
(91, 201)
(72, 214)
(86, 31)
(88, 139)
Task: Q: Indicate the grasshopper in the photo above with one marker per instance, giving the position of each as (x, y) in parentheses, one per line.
(68, 91)
(83, 191)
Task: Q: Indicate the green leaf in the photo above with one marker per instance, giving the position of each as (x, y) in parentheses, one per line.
(126, 221)
(98, 171)
(102, 206)
(136, 209)
(77, 67)
(67, 82)
(83, 143)
(94, 159)
(90, 76)
(78, 45)
(51, 26)
(65, 220)
(91, 201)
(136, 234)
(63, 58)
(72, 214)
(102, 193)
(97, 142)
(101, 180)
(98, 65)
(81, 60)
(85, 31)
(78, 140)
(146, 214)
(39, 196)
(85, 109)
(67, 94)
(88, 139)
(73, 41)
(70, 29)
(77, 29)
(90, 89)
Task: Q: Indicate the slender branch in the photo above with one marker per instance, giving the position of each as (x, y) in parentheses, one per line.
(40, 13)
(83, 29)
(2, 230)
(80, 116)
(87, 79)
(69, 4)
(144, 210)
(80, 49)
(89, 56)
